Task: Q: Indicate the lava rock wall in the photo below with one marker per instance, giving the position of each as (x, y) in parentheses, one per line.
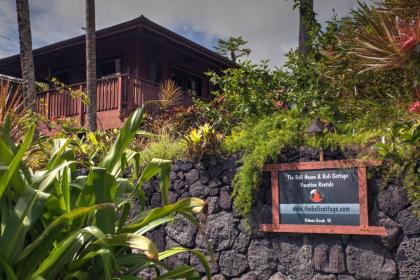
(243, 253)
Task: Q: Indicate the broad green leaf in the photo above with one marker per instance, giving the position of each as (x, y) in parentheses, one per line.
(27, 211)
(198, 254)
(41, 241)
(157, 166)
(103, 186)
(181, 272)
(43, 181)
(154, 224)
(14, 164)
(7, 269)
(65, 252)
(194, 205)
(59, 146)
(123, 212)
(126, 135)
(87, 258)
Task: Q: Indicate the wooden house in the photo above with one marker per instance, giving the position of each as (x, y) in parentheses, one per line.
(133, 58)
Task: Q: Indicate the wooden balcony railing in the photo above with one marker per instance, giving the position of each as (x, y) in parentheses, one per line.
(123, 93)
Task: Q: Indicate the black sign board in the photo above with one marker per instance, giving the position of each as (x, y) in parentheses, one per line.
(319, 197)
(327, 197)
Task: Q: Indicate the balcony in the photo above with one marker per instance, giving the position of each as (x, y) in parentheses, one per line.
(116, 97)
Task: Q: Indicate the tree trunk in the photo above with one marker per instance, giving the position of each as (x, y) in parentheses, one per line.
(306, 18)
(26, 58)
(91, 63)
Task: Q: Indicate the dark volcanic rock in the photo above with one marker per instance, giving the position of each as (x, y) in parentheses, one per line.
(261, 258)
(192, 176)
(215, 183)
(220, 231)
(186, 166)
(408, 259)
(260, 214)
(249, 276)
(324, 277)
(213, 205)
(198, 190)
(241, 242)
(178, 259)
(345, 277)
(212, 260)
(232, 264)
(368, 260)
(156, 200)
(182, 231)
(329, 256)
(294, 257)
(158, 237)
(216, 172)
(278, 276)
(409, 221)
(225, 200)
(392, 200)
(242, 252)
(215, 277)
(378, 218)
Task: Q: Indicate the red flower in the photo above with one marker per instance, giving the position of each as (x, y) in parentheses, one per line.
(409, 34)
(409, 43)
(278, 104)
(415, 107)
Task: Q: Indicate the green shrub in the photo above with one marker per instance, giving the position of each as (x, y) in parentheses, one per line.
(260, 141)
(58, 225)
(163, 146)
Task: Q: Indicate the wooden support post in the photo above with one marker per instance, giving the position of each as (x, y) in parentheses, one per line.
(364, 220)
(81, 108)
(275, 197)
(47, 106)
(121, 98)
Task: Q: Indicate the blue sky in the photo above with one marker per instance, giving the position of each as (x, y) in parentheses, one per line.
(270, 26)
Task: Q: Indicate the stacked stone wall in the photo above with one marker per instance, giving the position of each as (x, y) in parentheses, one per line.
(243, 253)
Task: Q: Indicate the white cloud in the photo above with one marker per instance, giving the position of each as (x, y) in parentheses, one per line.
(270, 26)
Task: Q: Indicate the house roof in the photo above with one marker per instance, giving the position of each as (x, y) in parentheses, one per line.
(140, 22)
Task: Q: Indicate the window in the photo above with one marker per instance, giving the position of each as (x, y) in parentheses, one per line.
(187, 82)
(108, 67)
(62, 75)
(155, 70)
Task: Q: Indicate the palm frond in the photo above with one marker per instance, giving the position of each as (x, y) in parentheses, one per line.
(169, 94)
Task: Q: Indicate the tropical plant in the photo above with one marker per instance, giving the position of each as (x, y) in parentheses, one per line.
(232, 48)
(386, 41)
(247, 91)
(11, 106)
(58, 225)
(388, 37)
(169, 95)
(203, 141)
(401, 152)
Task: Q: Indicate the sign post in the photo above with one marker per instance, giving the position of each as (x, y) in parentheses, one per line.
(321, 197)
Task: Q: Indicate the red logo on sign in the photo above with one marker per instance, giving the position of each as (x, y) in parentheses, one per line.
(316, 196)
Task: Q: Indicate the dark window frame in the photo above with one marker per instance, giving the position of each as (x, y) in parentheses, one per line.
(187, 77)
(159, 76)
(101, 62)
(54, 73)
